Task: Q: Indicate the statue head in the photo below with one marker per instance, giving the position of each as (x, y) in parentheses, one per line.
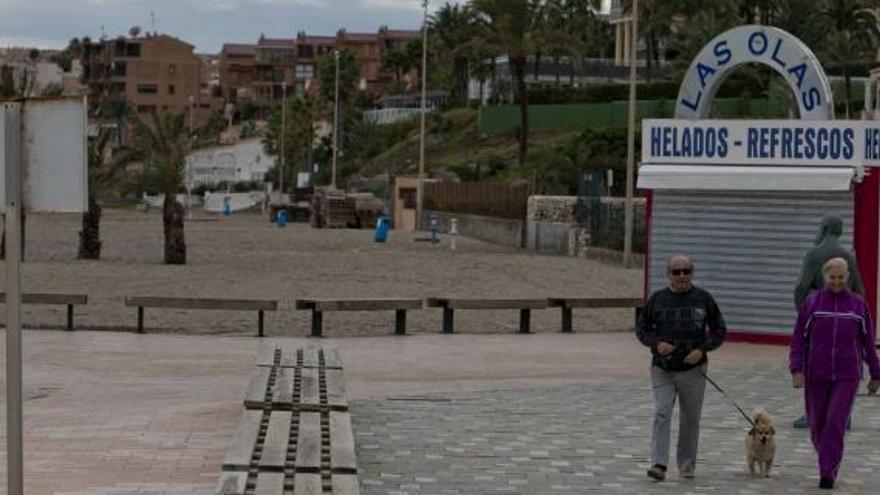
(832, 226)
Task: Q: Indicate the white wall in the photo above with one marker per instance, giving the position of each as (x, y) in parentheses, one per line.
(242, 162)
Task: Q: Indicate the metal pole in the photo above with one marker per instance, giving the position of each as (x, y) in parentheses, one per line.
(189, 165)
(420, 191)
(283, 132)
(630, 140)
(335, 124)
(13, 160)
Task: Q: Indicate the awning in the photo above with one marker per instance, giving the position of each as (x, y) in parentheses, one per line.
(745, 178)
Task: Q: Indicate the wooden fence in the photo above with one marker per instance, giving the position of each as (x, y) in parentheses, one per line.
(491, 199)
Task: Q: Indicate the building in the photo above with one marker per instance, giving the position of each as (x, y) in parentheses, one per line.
(255, 74)
(151, 74)
(245, 161)
(237, 67)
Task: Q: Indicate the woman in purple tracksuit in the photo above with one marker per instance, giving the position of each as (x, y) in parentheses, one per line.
(832, 337)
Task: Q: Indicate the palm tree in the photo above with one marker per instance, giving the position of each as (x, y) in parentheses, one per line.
(452, 29)
(507, 26)
(852, 36)
(299, 136)
(163, 145)
(397, 61)
(104, 172)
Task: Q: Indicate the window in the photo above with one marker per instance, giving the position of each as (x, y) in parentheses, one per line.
(133, 50)
(305, 71)
(172, 69)
(408, 195)
(146, 108)
(148, 89)
(306, 51)
(170, 89)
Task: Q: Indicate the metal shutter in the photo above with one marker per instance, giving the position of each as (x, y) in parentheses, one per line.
(747, 247)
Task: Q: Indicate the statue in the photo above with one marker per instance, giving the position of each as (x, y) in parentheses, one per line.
(827, 246)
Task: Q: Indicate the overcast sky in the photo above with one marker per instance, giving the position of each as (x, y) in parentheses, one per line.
(207, 24)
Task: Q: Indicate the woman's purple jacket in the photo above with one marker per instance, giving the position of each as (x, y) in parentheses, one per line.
(833, 335)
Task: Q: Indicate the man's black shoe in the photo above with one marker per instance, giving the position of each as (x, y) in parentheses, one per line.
(658, 472)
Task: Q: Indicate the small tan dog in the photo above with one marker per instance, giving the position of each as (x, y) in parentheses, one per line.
(761, 445)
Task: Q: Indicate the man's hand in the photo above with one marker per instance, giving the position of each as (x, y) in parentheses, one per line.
(665, 348)
(797, 380)
(694, 357)
(873, 386)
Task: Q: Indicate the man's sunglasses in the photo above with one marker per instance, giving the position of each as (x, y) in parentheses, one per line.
(681, 271)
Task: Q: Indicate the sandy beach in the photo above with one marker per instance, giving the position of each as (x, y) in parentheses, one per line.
(244, 256)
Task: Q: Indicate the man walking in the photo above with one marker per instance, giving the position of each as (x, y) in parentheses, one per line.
(680, 324)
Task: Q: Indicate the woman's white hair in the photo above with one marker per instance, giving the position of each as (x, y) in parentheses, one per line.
(835, 262)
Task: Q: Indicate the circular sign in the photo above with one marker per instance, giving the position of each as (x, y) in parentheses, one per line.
(769, 46)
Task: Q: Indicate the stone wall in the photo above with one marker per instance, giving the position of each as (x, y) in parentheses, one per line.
(553, 226)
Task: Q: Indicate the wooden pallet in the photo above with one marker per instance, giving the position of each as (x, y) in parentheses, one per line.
(295, 433)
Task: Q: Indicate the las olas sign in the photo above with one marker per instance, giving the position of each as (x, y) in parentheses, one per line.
(816, 139)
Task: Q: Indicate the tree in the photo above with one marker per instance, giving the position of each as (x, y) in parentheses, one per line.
(398, 62)
(452, 29)
(349, 77)
(299, 135)
(508, 27)
(163, 144)
(852, 36)
(65, 57)
(10, 87)
(105, 171)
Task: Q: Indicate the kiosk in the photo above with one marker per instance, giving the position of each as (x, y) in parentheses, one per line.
(744, 198)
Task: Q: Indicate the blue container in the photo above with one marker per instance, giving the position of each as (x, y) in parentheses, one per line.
(381, 229)
(282, 218)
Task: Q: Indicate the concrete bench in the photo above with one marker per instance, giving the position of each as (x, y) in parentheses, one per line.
(70, 300)
(319, 306)
(525, 307)
(295, 432)
(200, 303)
(567, 304)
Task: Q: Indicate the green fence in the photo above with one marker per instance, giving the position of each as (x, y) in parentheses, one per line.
(577, 116)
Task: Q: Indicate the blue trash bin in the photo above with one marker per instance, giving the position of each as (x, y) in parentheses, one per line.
(381, 229)
(282, 218)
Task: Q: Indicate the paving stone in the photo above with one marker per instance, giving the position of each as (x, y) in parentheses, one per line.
(594, 438)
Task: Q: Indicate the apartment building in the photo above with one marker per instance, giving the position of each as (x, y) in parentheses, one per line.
(258, 73)
(156, 73)
(237, 66)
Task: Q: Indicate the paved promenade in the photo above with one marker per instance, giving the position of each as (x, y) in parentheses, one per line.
(116, 413)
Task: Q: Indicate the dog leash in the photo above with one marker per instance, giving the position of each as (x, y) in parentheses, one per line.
(718, 388)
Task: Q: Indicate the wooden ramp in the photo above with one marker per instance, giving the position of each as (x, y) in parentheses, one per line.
(295, 435)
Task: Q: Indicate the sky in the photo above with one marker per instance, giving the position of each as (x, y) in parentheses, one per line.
(207, 24)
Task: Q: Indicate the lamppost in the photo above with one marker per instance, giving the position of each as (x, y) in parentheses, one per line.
(335, 124)
(630, 140)
(189, 166)
(283, 132)
(420, 191)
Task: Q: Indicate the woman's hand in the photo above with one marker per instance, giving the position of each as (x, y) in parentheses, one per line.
(797, 380)
(873, 386)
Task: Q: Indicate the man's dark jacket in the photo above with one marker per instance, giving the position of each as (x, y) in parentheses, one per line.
(687, 320)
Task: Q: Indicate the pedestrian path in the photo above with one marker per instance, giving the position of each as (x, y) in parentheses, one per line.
(593, 438)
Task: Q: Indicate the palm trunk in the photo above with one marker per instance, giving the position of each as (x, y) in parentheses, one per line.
(90, 235)
(519, 71)
(172, 220)
(847, 84)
